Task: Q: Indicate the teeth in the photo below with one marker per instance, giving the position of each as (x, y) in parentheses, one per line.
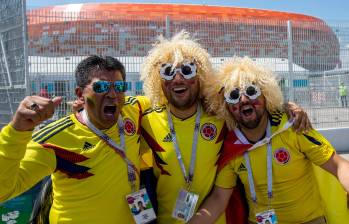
(111, 104)
(179, 88)
(247, 107)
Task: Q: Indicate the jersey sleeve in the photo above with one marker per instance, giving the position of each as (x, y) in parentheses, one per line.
(315, 146)
(226, 177)
(22, 165)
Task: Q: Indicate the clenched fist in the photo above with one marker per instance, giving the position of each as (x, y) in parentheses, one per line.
(32, 111)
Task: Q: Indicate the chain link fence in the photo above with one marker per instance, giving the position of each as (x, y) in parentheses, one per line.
(13, 57)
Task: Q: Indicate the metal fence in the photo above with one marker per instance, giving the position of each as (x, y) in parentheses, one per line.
(310, 57)
(13, 56)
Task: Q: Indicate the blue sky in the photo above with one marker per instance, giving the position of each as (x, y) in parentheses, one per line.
(330, 10)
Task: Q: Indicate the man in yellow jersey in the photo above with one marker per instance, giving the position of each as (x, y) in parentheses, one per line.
(91, 172)
(273, 162)
(184, 138)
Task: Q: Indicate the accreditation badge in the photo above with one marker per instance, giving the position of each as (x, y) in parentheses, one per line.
(266, 217)
(185, 205)
(141, 207)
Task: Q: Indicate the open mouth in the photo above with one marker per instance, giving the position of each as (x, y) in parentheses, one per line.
(109, 110)
(179, 90)
(247, 111)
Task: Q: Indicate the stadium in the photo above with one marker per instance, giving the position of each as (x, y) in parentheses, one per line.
(129, 29)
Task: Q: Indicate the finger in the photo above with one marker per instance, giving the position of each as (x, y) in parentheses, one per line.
(41, 112)
(46, 106)
(26, 119)
(77, 105)
(285, 108)
(308, 126)
(57, 101)
(296, 122)
(302, 124)
(27, 114)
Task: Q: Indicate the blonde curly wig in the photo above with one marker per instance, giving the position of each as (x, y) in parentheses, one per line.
(180, 48)
(237, 73)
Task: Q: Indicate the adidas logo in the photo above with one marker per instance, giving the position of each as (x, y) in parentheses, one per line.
(242, 168)
(87, 146)
(168, 138)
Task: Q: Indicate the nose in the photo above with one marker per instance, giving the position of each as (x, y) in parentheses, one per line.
(112, 92)
(244, 99)
(178, 76)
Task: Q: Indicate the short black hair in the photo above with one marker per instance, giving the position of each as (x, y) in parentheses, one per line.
(85, 69)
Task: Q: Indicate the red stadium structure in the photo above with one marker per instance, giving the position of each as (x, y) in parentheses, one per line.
(130, 29)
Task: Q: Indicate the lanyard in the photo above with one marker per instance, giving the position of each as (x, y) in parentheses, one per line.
(243, 139)
(119, 149)
(266, 140)
(188, 178)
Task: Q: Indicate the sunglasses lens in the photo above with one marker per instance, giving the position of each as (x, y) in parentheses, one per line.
(166, 69)
(186, 70)
(101, 86)
(235, 94)
(120, 86)
(251, 91)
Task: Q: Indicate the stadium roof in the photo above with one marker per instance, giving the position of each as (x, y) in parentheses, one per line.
(176, 11)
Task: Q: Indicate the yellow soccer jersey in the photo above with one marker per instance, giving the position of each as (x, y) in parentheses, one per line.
(296, 197)
(156, 132)
(89, 179)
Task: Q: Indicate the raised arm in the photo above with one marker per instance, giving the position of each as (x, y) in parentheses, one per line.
(213, 206)
(22, 167)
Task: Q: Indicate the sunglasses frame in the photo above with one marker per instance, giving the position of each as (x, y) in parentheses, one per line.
(229, 100)
(116, 85)
(170, 77)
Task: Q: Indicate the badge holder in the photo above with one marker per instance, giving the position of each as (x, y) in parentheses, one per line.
(141, 207)
(185, 205)
(266, 217)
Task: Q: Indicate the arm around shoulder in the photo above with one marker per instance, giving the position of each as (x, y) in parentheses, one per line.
(339, 167)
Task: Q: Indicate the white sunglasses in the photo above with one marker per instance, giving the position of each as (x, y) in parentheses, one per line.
(187, 70)
(234, 96)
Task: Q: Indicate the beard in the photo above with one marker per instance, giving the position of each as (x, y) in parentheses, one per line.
(251, 124)
(183, 105)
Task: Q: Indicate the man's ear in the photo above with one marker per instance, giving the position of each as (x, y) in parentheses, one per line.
(79, 94)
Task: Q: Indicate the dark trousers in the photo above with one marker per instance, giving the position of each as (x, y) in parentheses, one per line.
(344, 101)
(149, 181)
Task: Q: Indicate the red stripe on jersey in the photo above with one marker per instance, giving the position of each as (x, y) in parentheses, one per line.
(151, 142)
(223, 133)
(232, 148)
(139, 117)
(65, 154)
(155, 147)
